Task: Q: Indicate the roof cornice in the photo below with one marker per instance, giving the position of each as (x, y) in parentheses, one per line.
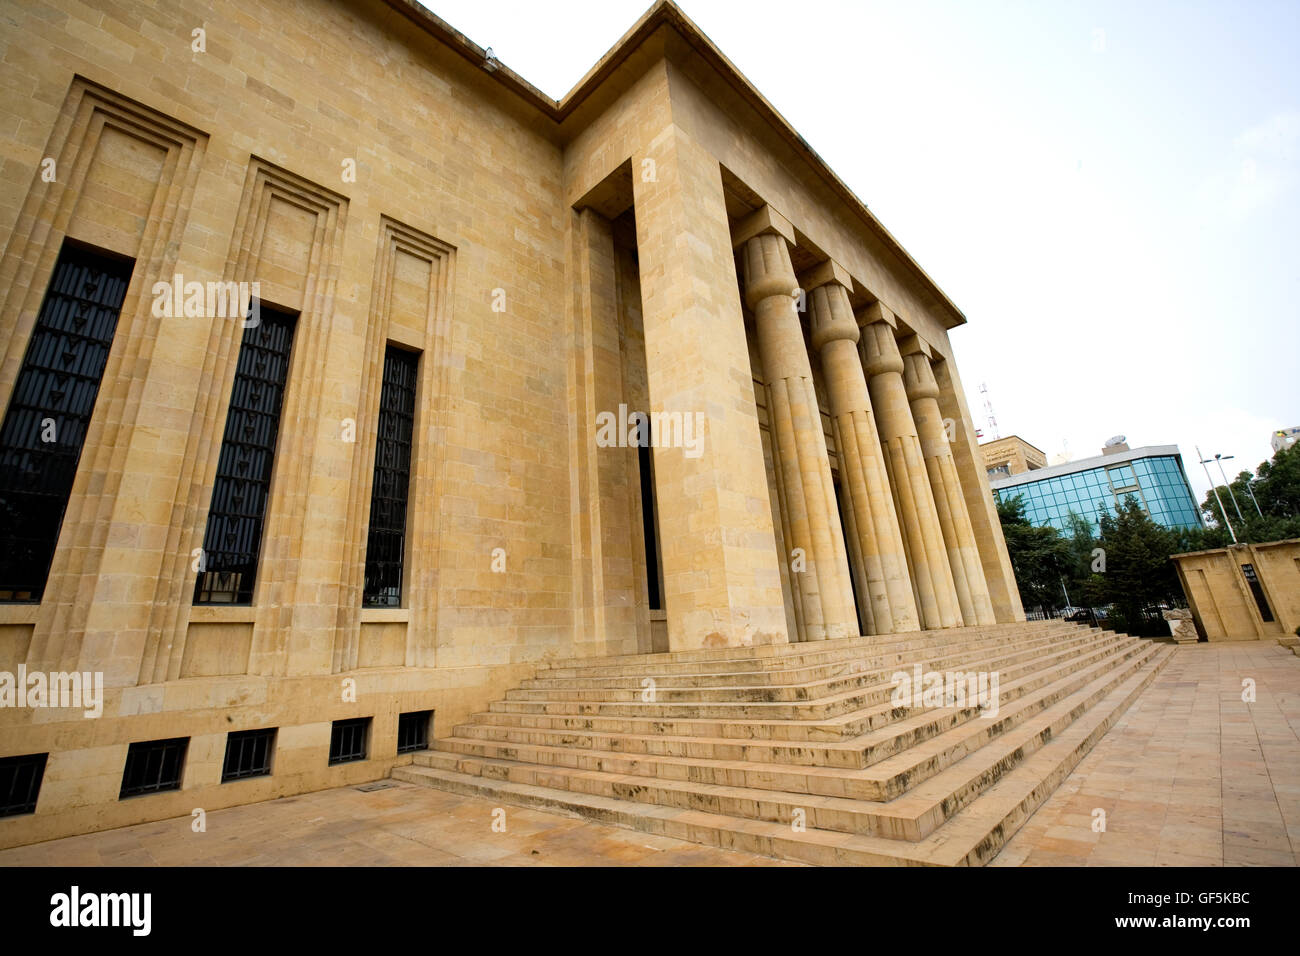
(666, 13)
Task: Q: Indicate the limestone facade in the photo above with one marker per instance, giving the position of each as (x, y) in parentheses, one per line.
(660, 241)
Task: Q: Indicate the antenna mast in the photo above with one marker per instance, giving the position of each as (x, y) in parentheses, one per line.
(988, 410)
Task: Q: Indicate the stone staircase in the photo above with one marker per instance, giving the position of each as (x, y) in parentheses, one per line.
(796, 750)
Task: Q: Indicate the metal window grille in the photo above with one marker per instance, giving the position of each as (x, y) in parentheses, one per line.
(48, 416)
(153, 766)
(234, 532)
(413, 731)
(20, 783)
(389, 493)
(248, 754)
(650, 529)
(348, 740)
(1257, 592)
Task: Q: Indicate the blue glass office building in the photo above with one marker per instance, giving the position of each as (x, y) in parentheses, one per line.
(1154, 475)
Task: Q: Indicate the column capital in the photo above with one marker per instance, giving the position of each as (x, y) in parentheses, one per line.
(879, 350)
(830, 315)
(918, 377)
(764, 221)
(768, 271)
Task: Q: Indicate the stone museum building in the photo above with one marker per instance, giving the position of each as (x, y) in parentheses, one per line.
(350, 383)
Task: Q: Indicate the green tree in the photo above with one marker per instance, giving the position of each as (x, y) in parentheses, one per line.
(1085, 585)
(1138, 573)
(1276, 487)
(1040, 557)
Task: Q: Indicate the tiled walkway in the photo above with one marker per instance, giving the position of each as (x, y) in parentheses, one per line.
(402, 825)
(1191, 775)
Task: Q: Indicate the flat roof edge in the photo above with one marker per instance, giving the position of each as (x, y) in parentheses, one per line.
(1084, 464)
(1240, 546)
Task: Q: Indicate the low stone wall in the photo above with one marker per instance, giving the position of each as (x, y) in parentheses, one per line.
(1244, 592)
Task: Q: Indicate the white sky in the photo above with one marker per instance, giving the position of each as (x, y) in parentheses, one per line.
(1109, 191)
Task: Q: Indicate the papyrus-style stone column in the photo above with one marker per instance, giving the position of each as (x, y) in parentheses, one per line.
(919, 520)
(954, 520)
(998, 574)
(891, 604)
(804, 483)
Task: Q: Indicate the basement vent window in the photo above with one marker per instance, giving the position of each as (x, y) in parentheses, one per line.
(413, 731)
(248, 754)
(153, 766)
(20, 783)
(348, 740)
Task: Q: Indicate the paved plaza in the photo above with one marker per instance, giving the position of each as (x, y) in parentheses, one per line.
(1190, 776)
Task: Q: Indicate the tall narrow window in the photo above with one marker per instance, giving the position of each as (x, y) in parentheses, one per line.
(386, 543)
(48, 416)
(650, 528)
(228, 567)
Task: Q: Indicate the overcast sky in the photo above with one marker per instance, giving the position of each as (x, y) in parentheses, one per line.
(1109, 191)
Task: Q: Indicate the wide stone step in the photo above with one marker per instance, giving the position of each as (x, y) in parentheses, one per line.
(786, 649)
(909, 766)
(972, 835)
(865, 792)
(863, 691)
(785, 656)
(971, 838)
(730, 726)
(854, 724)
(910, 817)
(801, 682)
(719, 760)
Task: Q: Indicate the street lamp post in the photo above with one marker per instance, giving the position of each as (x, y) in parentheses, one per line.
(1250, 490)
(1214, 488)
(1231, 494)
